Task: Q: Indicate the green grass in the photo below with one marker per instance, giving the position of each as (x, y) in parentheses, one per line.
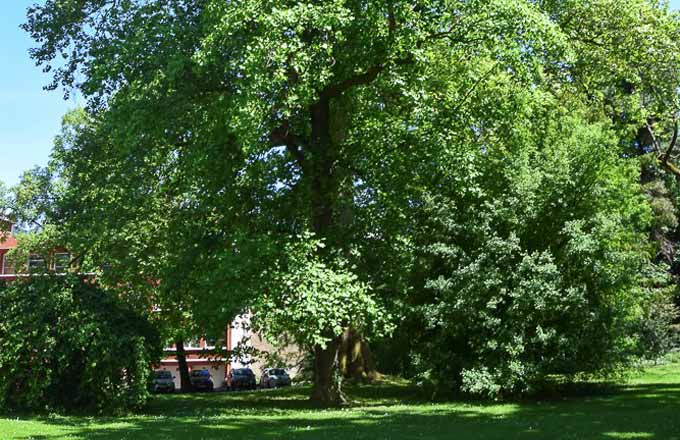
(648, 407)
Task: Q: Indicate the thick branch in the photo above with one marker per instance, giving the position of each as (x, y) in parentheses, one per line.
(671, 168)
(655, 142)
(367, 77)
(364, 78)
(664, 157)
(297, 153)
(293, 144)
(669, 150)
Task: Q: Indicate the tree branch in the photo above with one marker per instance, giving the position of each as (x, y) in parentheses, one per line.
(669, 150)
(372, 72)
(671, 168)
(655, 142)
(293, 144)
(361, 79)
(664, 157)
(297, 153)
(474, 86)
(391, 20)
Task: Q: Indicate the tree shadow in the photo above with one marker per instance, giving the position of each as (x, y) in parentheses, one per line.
(646, 411)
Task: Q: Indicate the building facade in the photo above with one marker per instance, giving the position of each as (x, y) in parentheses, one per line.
(7, 243)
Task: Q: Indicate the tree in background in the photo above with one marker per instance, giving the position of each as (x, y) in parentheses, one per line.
(38, 207)
(277, 155)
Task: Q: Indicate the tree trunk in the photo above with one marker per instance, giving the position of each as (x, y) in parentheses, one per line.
(356, 359)
(321, 172)
(183, 366)
(327, 380)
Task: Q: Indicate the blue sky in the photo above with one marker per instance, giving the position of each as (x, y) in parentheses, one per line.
(29, 116)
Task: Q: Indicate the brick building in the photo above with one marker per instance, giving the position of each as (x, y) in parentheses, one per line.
(7, 243)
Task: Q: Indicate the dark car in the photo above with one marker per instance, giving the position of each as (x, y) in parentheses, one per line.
(201, 381)
(241, 379)
(163, 382)
(274, 378)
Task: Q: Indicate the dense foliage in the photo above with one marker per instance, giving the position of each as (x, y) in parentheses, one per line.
(536, 268)
(465, 167)
(67, 344)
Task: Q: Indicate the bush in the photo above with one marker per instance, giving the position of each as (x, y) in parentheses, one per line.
(537, 265)
(658, 335)
(67, 344)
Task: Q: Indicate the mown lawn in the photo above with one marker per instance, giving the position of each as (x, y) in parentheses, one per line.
(648, 407)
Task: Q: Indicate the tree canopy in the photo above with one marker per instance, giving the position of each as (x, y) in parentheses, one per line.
(300, 158)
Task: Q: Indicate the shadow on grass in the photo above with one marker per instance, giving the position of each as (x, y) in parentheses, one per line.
(644, 411)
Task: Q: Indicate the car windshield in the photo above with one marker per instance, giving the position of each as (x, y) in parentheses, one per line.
(200, 373)
(243, 372)
(277, 372)
(163, 375)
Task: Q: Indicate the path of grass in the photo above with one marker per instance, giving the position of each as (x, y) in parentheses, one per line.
(646, 408)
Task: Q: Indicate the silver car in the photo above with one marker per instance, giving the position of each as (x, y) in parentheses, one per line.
(162, 382)
(274, 378)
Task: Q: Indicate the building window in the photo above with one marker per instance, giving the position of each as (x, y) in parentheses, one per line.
(193, 343)
(6, 268)
(62, 261)
(36, 263)
(214, 342)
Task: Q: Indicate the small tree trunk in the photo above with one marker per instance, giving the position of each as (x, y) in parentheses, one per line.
(185, 383)
(327, 378)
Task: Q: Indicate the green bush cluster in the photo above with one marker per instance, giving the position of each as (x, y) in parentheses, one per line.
(535, 267)
(67, 344)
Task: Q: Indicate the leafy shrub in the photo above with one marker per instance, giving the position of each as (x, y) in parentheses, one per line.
(65, 343)
(658, 336)
(674, 338)
(536, 265)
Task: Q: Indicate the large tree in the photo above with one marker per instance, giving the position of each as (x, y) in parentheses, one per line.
(281, 145)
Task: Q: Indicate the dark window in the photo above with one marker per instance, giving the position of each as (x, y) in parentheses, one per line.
(36, 263)
(61, 262)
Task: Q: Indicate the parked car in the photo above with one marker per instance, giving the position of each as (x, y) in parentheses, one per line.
(201, 380)
(162, 382)
(274, 378)
(241, 379)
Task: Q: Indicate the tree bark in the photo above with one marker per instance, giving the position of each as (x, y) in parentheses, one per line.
(356, 360)
(320, 169)
(327, 380)
(185, 382)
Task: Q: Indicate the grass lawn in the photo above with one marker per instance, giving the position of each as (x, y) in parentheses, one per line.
(648, 407)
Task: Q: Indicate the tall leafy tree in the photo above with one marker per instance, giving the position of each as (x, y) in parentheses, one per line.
(281, 145)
